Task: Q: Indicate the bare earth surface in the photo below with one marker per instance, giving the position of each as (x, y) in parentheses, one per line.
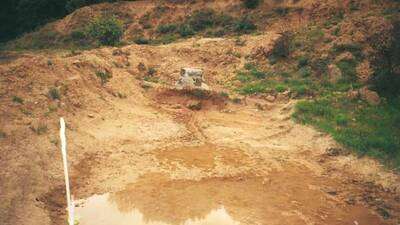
(148, 159)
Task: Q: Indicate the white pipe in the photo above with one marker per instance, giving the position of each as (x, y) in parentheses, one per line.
(64, 155)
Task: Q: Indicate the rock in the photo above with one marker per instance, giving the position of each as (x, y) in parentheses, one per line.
(347, 56)
(141, 67)
(191, 78)
(270, 98)
(194, 105)
(334, 73)
(117, 52)
(284, 96)
(364, 71)
(369, 96)
(76, 63)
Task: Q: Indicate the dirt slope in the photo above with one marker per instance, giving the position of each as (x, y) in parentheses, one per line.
(141, 19)
(144, 147)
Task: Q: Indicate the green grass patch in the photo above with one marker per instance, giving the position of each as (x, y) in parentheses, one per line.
(254, 88)
(368, 130)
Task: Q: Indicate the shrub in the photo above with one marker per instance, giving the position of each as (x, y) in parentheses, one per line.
(141, 40)
(104, 76)
(243, 77)
(244, 25)
(249, 66)
(320, 66)
(251, 4)
(78, 35)
(305, 71)
(166, 39)
(257, 74)
(185, 30)
(223, 94)
(54, 93)
(17, 99)
(107, 30)
(282, 46)
(280, 88)
(301, 89)
(151, 71)
(353, 5)
(166, 28)
(201, 20)
(224, 20)
(282, 11)
(302, 61)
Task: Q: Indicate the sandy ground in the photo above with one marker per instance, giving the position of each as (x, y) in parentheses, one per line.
(147, 153)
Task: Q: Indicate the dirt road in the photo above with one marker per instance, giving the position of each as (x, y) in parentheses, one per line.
(145, 158)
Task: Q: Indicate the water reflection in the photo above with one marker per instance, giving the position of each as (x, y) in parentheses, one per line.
(99, 210)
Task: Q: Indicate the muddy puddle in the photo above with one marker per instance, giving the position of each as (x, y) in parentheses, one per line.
(282, 198)
(103, 210)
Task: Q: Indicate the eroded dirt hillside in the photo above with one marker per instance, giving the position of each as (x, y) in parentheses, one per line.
(135, 138)
(142, 151)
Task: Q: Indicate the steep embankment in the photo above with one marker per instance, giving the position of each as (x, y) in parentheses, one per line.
(163, 21)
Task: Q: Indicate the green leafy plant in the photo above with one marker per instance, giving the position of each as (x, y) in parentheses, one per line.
(280, 88)
(151, 71)
(185, 30)
(104, 76)
(302, 61)
(54, 93)
(17, 99)
(106, 30)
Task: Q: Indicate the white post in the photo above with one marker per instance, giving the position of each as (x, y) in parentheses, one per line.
(64, 155)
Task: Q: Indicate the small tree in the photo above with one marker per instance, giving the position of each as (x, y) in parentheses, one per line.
(107, 30)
